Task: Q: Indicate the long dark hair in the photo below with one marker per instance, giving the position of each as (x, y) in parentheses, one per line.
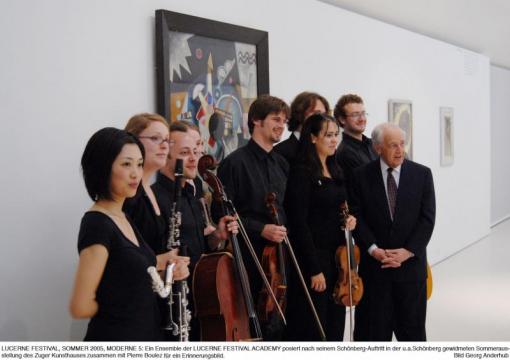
(96, 162)
(301, 104)
(307, 153)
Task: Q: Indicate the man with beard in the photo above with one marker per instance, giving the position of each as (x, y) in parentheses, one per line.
(355, 149)
(248, 175)
(184, 146)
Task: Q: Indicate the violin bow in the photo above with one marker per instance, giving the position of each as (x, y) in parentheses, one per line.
(298, 270)
(349, 243)
(205, 165)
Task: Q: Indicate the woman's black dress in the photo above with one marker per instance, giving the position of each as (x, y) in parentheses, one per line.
(153, 227)
(313, 209)
(127, 308)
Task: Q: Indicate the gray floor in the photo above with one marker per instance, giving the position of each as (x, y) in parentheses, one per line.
(471, 296)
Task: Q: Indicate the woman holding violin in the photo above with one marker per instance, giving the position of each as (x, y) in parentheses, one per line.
(315, 192)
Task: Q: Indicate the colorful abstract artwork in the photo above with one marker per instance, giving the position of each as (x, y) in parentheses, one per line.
(210, 82)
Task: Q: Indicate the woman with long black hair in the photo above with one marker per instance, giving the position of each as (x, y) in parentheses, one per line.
(315, 192)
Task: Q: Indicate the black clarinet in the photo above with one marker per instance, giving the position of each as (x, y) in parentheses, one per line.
(180, 315)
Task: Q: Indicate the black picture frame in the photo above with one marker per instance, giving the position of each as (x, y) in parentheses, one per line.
(207, 66)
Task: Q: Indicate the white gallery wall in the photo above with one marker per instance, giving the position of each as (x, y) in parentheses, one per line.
(69, 68)
(500, 144)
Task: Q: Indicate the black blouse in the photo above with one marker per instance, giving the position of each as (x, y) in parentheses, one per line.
(127, 307)
(313, 210)
(152, 226)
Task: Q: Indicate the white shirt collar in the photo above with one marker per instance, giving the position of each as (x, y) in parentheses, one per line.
(384, 167)
(297, 134)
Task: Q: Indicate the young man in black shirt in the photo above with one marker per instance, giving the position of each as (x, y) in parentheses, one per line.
(356, 149)
(249, 174)
(184, 146)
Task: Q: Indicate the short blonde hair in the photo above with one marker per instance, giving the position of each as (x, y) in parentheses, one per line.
(140, 122)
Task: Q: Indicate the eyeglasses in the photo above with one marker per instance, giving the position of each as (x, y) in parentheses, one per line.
(156, 139)
(357, 115)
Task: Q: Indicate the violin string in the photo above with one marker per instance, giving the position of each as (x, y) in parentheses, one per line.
(253, 254)
(247, 241)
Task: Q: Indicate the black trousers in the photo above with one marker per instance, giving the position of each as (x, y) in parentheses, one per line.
(389, 307)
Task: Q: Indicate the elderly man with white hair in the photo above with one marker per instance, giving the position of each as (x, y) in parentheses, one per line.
(394, 202)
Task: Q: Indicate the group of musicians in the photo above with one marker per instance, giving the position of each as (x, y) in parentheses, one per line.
(273, 225)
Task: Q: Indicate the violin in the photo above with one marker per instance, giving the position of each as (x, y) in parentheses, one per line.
(270, 202)
(220, 278)
(349, 286)
(273, 263)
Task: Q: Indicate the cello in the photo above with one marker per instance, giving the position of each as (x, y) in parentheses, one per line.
(349, 286)
(220, 277)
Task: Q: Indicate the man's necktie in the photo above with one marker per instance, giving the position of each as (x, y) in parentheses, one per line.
(392, 191)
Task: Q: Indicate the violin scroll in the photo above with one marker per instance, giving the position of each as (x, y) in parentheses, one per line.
(344, 211)
(271, 205)
(206, 162)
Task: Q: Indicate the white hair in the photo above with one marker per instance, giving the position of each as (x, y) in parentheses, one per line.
(380, 130)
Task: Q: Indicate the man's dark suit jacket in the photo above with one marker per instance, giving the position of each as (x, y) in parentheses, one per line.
(288, 148)
(412, 225)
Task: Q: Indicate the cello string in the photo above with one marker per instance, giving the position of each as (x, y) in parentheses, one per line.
(246, 286)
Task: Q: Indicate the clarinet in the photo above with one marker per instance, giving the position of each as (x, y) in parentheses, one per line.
(164, 289)
(181, 328)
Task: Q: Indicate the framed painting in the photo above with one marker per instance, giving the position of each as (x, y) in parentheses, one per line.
(208, 74)
(400, 112)
(446, 126)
